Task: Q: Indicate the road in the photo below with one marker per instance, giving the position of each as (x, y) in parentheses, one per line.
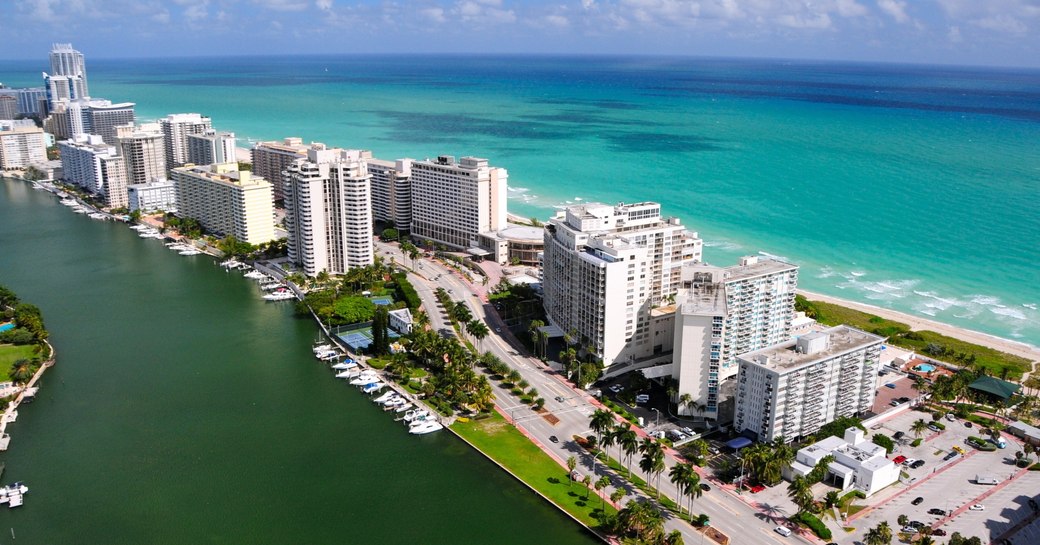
(740, 522)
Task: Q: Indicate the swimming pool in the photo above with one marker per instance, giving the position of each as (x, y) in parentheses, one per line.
(925, 368)
(5, 327)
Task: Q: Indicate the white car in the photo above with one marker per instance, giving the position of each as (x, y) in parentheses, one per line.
(909, 461)
(786, 532)
(977, 507)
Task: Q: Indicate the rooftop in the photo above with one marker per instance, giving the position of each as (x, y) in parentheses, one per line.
(705, 299)
(791, 354)
(996, 387)
(751, 267)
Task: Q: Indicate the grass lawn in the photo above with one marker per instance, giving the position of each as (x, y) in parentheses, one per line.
(507, 446)
(8, 354)
(997, 363)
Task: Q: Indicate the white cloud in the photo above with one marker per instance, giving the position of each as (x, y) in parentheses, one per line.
(282, 5)
(162, 17)
(484, 12)
(894, 9)
(323, 5)
(434, 14)
(197, 12)
(954, 34)
(850, 8)
(40, 10)
(817, 21)
(1002, 23)
(557, 20)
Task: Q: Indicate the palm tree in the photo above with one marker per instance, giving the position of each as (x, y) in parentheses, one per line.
(572, 463)
(460, 312)
(685, 400)
(587, 481)
(918, 428)
(674, 538)
(617, 494)
(642, 521)
(600, 484)
(800, 491)
(885, 532)
(532, 328)
(629, 441)
(478, 330)
(926, 540)
(693, 489)
(602, 421)
(832, 498)
(679, 476)
(652, 462)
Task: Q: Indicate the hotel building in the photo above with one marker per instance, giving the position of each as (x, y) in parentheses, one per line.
(270, 159)
(453, 202)
(66, 61)
(176, 128)
(212, 147)
(22, 143)
(328, 210)
(8, 106)
(226, 201)
(606, 267)
(89, 162)
(100, 117)
(722, 312)
(144, 151)
(392, 191)
(792, 389)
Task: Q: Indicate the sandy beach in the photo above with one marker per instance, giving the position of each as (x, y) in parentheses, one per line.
(1031, 353)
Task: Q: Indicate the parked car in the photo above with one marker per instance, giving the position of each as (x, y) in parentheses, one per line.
(908, 529)
(909, 461)
(951, 456)
(916, 524)
(616, 388)
(938, 532)
(898, 459)
(893, 403)
(958, 449)
(554, 439)
(917, 464)
(705, 487)
(977, 507)
(902, 399)
(933, 427)
(786, 532)
(967, 424)
(917, 501)
(757, 488)
(950, 417)
(936, 511)
(642, 398)
(890, 385)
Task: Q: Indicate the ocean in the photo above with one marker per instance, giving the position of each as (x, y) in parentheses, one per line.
(914, 188)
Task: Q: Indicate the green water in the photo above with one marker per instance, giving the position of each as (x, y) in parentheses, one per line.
(184, 409)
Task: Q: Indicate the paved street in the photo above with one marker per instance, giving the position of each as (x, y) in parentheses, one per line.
(737, 520)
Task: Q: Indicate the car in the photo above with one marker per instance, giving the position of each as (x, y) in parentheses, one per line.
(935, 428)
(786, 532)
(688, 431)
(917, 464)
(950, 417)
(958, 449)
(498, 330)
(917, 501)
(705, 487)
(616, 388)
(713, 450)
(642, 398)
(893, 403)
(967, 424)
(936, 511)
(890, 385)
(977, 507)
(938, 532)
(951, 456)
(757, 488)
(898, 459)
(909, 462)
(554, 439)
(908, 529)
(916, 524)
(561, 399)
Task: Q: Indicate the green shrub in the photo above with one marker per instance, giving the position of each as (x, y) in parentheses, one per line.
(939, 425)
(1034, 467)
(405, 291)
(814, 524)
(916, 442)
(883, 440)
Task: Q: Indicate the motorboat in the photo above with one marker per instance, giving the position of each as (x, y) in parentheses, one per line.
(344, 365)
(395, 402)
(230, 263)
(190, 251)
(12, 495)
(412, 414)
(97, 216)
(322, 348)
(255, 275)
(417, 416)
(385, 397)
(69, 202)
(403, 408)
(271, 286)
(280, 296)
(372, 387)
(327, 355)
(429, 426)
(392, 400)
(364, 378)
(344, 374)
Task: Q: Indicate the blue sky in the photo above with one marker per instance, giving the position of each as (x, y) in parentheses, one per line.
(976, 32)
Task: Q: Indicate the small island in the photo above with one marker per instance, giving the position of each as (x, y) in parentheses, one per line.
(24, 355)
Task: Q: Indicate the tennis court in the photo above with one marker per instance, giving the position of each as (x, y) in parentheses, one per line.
(382, 300)
(360, 338)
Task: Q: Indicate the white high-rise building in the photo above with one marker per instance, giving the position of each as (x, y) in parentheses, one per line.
(89, 162)
(270, 159)
(392, 191)
(176, 128)
(22, 143)
(454, 202)
(95, 116)
(143, 149)
(792, 389)
(606, 268)
(226, 201)
(212, 147)
(66, 61)
(722, 312)
(328, 210)
(153, 196)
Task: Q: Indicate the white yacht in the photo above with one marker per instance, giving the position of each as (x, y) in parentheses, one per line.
(230, 263)
(322, 348)
(403, 408)
(418, 415)
(344, 374)
(255, 275)
(344, 365)
(12, 495)
(428, 426)
(364, 378)
(280, 296)
(372, 387)
(385, 397)
(271, 286)
(69, 202)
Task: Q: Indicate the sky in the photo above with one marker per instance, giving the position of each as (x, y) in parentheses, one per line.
(967, 32)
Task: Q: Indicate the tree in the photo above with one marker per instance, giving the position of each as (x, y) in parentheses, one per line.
(674, 538)
(389, 234)
(602, 421)
(602, 483)
(640, 520)
(478, 331)
(380, 334)
(617, 494)
(883, 440)
(533, 329)
(629, 442)
(685, 400)
(353, 310)
(918, 428)
(902, 519)
(678, 476)
(22, 370)
(572, 463)
(800, 492)
(232, 247)
(652, 462)
(460, 313)
(831, 498)
(698, 450)
(693, 489)
(587, 481)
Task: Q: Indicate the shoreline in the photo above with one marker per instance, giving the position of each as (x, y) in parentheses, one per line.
(1009, 346)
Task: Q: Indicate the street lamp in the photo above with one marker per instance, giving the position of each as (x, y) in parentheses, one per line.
(658, 423)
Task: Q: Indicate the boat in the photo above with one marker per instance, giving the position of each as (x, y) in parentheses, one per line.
(364, 378)
(79, 210)
(344, 365)
(255, 275)
(280, 296)
(271, 286)
(429, 426)
(97, 216)
(69, 202)
(139, 227)
(394, 396)
(344, 374)
(372, 387)
(385, 397)
(328, 356)
(230, 263)
(322, 348)
(395, 402)
(416, 414)
(12, 495)
(403, 408)
(190, 251)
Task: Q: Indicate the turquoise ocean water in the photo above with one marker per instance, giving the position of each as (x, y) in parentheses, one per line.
(913, 188)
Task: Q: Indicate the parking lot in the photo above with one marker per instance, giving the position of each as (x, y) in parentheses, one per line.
(885, 395)
(949, 485)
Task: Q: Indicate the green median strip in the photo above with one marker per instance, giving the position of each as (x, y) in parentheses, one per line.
(504, 444)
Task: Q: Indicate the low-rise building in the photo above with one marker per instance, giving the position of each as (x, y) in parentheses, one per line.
(1025, 432)
(858, 463)
(154, 196)
(401, 321)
